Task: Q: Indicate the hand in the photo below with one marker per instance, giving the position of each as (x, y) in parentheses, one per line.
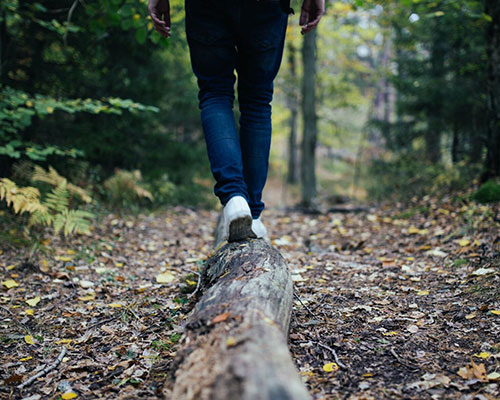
(159, 10)
(310, 14)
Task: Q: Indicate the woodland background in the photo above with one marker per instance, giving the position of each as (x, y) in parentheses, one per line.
(402, 99)
(383, 198)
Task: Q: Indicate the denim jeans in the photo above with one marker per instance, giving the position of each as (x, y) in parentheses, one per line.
(246, 36)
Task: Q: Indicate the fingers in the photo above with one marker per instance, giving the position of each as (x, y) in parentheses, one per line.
(161, 26)
(304, 16)
(310, 25)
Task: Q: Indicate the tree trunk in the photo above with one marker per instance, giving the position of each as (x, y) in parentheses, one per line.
(293, 171)
(235, 344)
(492, 167)
(435, 124)
(308, 163)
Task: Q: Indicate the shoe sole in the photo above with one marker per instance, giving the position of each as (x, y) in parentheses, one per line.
(241, 229)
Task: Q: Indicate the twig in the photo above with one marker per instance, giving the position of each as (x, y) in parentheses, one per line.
(103, 321)
(398, 359)
(197, 286)
(68, 21)
(337, 360)
(307, 308)
(45, 370)
(15, 319)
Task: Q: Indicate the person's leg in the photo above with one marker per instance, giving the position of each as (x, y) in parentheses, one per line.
(259, 54)
(213, 59)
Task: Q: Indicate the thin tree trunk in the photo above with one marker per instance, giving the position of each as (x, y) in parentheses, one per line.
(492, 167)
(293, 171)
(455, 145)
(308, 164)
(434, 129)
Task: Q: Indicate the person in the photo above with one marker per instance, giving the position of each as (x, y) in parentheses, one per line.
(246, 36)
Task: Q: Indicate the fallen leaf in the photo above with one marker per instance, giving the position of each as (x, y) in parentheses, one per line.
(494, 376)
(423, 292)
(10, 283)
(34, 301)
(463, 242)
(14, 378)
(231, 341)
(86, 298)
(484, 355)
(63, 258)
(479, 370)
(69, 395)
(483, 271)
(330, 367)
(107, 329)
(25, 359)
(221, 317)
(29, 311)
(165, 277)
(45, 266)
(29, 339)
(64, 341)
(115, 305)
(495, 312)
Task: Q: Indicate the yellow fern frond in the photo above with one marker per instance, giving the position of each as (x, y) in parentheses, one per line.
(53, 178)
(22, 200)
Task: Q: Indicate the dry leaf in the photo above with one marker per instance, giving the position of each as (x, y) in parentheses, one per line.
(483, 271)
(494, 376)
(221, 317)
(29, 339)
(165, 277)
(33, 302)
(330, 367)
(10, 283)
(464, 242)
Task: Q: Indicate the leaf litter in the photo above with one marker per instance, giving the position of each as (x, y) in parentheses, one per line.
(391, 303)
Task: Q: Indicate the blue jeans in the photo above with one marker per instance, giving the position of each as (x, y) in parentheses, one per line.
(246, 36)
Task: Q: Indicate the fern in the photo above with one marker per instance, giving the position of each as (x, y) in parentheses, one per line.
(57, 200)
(22, 200)
(53, 211)
(53, 178)
(124, 187)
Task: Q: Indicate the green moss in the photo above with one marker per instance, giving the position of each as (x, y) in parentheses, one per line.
(488, 193)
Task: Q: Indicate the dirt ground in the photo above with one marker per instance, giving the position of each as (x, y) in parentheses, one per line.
(391, 303)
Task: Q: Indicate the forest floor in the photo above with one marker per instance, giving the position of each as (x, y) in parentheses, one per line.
(395, 302)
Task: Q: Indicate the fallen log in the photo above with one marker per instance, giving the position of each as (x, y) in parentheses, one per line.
(235, 342)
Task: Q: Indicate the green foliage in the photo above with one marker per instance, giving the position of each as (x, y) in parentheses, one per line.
(489, 192)
(18, 108)
(406, 176)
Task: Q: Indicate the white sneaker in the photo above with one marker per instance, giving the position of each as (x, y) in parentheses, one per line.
(260, 230)
(237, 220)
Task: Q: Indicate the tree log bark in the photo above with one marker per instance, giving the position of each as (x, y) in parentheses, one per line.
(235, 342)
